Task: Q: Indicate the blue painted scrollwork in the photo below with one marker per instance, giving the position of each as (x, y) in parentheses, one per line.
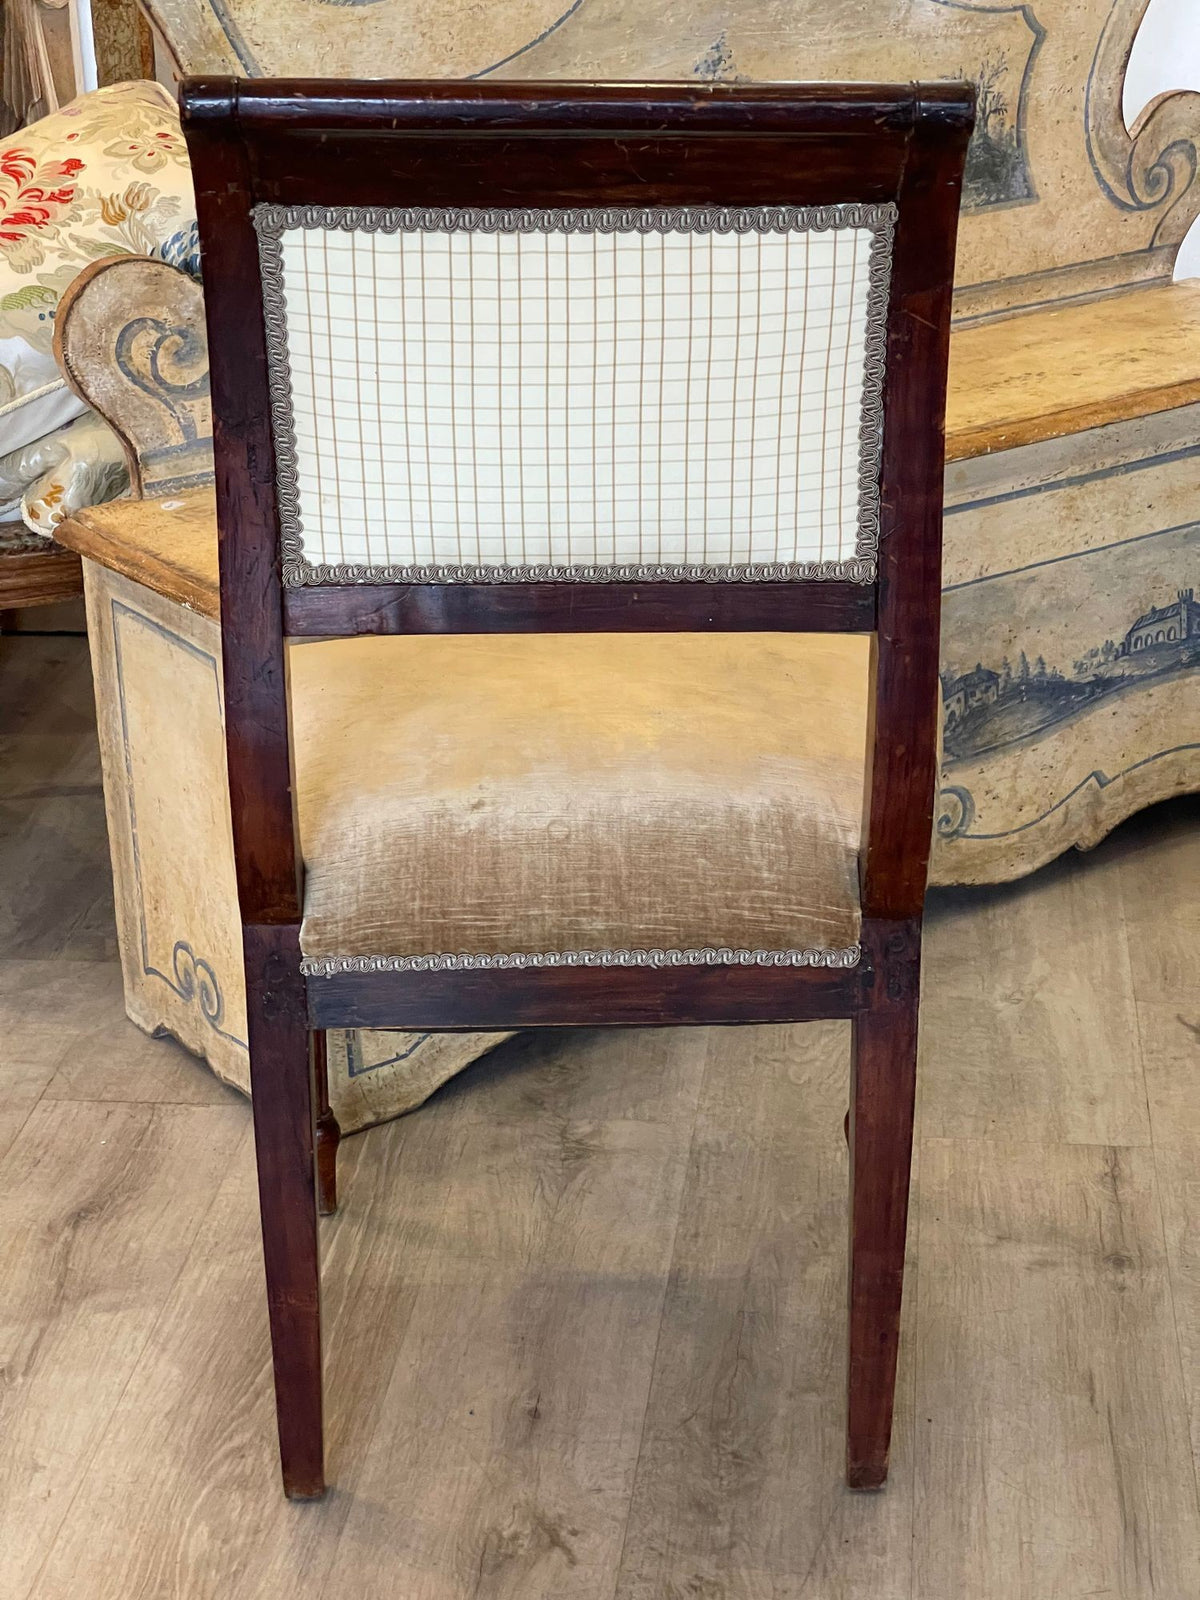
(195, 981)
(955, 812)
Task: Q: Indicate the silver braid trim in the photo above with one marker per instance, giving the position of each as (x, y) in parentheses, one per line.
(572, 219)
(870, 433)
(854, 570)
(271, 221)
(710, 956)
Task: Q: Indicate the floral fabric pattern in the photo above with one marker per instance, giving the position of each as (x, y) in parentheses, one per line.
(32, 192)
(105, 175)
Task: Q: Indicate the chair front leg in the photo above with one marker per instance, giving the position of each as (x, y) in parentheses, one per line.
(883, 1085)
(281, 1086)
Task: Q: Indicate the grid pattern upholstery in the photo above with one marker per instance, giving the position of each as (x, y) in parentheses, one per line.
(585, 394)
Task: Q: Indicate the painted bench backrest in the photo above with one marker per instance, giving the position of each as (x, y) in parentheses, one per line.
(1061, 201)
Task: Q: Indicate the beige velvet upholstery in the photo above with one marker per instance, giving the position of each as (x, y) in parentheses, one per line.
(561, 793)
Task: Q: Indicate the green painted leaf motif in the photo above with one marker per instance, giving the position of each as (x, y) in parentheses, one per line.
(96, 249)
(33, 294)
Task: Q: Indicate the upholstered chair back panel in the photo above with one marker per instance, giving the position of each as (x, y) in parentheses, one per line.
(577, 394)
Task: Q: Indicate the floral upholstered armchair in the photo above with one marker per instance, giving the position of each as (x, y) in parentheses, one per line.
(105, 176)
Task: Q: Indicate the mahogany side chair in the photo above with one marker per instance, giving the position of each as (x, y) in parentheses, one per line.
(600, 428)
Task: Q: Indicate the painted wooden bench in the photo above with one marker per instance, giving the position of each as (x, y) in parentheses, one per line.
(1072, 437)
(1070, 632)
(1071, 627)
(130, 338)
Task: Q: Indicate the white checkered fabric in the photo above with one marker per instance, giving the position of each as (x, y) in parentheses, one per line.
(574, 397)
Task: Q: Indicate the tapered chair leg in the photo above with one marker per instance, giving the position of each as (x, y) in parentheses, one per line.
(281, 1081)
(329, 1134)
(881, 1126)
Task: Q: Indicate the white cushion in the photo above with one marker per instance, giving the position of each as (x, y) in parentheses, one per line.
(80, 464)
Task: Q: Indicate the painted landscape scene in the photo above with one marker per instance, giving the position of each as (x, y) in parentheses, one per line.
(994, 705)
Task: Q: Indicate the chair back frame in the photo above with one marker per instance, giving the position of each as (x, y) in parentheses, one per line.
(543, 146)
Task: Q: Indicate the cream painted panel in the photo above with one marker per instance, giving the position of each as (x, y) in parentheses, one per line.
(158, 702)
(1043, 502)
(1070, 643)
(157, 671)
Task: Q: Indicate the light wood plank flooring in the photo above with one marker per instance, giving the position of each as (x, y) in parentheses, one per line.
(585, 1309)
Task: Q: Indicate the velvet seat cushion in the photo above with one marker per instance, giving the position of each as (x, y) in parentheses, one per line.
(532, 794)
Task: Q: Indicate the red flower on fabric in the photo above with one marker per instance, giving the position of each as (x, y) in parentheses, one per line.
(32, 191)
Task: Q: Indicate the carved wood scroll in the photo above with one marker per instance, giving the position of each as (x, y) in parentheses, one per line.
(129, 338)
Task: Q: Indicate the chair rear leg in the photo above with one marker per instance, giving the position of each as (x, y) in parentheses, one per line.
(329, 1134)
(883, 1085)
(281, 1082)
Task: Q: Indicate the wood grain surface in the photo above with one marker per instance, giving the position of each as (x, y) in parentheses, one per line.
(168, 544)
(1049, 373)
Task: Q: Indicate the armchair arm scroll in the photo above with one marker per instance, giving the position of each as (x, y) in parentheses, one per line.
(130, 341)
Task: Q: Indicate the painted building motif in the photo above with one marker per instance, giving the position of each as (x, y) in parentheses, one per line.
(989, 708)
(1170, 624)
(974, 689)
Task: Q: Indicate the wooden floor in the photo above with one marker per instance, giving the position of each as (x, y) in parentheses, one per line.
(585, 1309)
